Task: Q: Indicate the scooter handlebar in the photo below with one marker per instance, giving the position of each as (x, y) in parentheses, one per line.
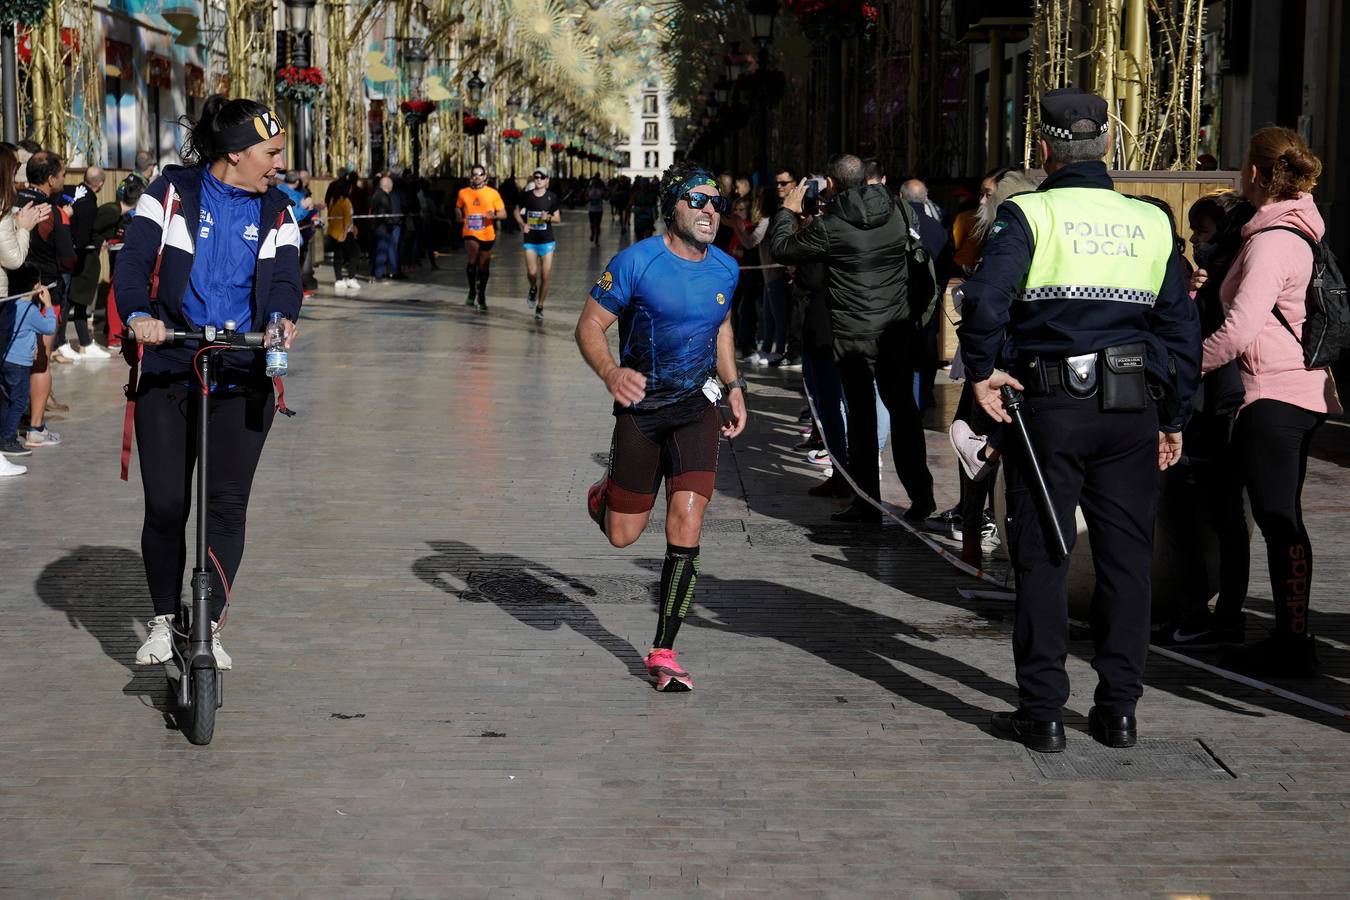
(210, 335)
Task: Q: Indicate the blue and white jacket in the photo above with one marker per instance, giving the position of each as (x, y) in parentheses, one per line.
(167, 216)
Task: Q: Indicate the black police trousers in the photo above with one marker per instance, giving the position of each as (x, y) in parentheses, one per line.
(1107, 463)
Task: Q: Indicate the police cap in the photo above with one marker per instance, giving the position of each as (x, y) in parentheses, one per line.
(1063, 107)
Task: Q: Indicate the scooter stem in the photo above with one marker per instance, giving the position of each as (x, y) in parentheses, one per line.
(201, 575)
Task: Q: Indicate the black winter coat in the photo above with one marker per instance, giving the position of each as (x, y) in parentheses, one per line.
(861, 240)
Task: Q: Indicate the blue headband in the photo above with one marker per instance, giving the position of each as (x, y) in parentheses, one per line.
(671, 198)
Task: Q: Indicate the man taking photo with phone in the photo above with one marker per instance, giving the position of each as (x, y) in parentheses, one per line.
(861, 237)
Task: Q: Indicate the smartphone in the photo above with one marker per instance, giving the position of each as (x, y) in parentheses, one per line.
(811, 199)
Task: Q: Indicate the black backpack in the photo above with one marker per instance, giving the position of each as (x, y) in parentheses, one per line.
(921, 284)
(1326, 330)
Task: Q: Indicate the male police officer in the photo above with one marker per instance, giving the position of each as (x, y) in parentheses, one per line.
(1080, 293)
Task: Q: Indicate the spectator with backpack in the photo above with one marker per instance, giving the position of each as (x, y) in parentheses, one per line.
(1266, 299)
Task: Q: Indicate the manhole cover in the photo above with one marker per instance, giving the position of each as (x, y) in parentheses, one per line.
(528, 589)
(1085, 759)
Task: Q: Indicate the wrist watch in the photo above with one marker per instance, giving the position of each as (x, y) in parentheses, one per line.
(737, 382)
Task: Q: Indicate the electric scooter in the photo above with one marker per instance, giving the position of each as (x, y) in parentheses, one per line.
(193, 677)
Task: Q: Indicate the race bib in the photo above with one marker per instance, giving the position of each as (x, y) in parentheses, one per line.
(536, 220)
(476, 221)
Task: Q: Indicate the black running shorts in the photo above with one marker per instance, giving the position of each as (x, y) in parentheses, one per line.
(678, 442)
(483, 246)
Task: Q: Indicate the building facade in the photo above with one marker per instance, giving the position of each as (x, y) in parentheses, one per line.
(649, 143)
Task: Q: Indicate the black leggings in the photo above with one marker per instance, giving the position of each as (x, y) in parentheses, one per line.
(166, 438)
(344, 256)
(1273, 439)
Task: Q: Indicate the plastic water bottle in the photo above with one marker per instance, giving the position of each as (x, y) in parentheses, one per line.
(275, 343)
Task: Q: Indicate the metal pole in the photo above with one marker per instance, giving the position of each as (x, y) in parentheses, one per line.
(993, 155)
(9, 82)
(1012, 402)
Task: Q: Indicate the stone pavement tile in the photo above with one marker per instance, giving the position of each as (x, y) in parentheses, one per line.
(420, 578)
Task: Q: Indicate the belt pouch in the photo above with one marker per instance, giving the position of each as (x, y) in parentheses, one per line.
(1078, 375)
(1124, 383)
(1032, 375)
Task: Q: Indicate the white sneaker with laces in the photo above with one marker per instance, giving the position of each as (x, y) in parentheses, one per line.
(70, 352)
(44, 438)
(969, 446)
(9, 469)
(158, 647)
(93, 351)
(223, 660)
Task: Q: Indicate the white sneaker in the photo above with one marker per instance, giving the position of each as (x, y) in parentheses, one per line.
(93, 351)
(970, 449)
(9, 469)
(44, 438)
(353, 285)
(70, 352)
(340, 286)
(158, 647)
(819, 457)
(223, 660)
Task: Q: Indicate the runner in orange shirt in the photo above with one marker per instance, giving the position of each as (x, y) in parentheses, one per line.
(478, 207)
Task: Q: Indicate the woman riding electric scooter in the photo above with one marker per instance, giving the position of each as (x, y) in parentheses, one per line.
(211, 242)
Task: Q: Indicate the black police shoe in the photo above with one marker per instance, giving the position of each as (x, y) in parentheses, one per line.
(858, 512)
(1113, 731)
(1043, 737)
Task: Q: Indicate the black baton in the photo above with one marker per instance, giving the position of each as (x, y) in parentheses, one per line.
(1012, 402)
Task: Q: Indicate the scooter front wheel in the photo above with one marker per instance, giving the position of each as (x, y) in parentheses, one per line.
(200, 726)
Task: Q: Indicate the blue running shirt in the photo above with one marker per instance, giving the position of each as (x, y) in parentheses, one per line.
(669, 311)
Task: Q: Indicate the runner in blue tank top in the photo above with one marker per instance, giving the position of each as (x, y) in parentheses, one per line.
(671, 295)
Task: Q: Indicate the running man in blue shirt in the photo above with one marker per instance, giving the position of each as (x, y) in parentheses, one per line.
(671, 295)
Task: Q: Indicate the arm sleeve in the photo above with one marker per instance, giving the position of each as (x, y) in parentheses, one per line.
(789, 246)
(136, 259)
(754, 236)
(287, 293)
(614, 289)
(986, 298)
(45, 321)
(1176, 322)
(82, 224)
(64, 246)
(1264, 276)
(13, 243)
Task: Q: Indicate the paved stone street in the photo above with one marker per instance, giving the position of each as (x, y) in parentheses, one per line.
(437, 688)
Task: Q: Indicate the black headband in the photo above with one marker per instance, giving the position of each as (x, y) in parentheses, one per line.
(244, 135)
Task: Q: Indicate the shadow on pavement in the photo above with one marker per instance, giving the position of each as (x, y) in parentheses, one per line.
(531, 592)
(102, 590)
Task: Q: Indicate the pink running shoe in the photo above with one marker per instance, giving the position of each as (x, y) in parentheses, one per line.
(596, 505)
(666, 673)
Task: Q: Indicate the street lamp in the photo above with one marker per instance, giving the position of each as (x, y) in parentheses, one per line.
(415, 58)
(299, 18)
(762, 13)
(475, 87)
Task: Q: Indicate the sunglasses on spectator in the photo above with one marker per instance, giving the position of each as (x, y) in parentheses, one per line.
(783, 183)
(538, 175)
(698, 201)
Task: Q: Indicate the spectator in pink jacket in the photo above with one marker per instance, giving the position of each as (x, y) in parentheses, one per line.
(1284, 403)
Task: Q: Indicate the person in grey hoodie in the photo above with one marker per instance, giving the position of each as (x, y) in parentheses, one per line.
(861, 240)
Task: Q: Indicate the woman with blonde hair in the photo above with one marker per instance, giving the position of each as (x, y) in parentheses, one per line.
(1265, 302)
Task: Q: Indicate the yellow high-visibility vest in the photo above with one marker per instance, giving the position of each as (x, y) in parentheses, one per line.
(1094, 244)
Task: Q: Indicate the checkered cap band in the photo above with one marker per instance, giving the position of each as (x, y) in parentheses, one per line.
(1087, 292)
(1065, 134)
